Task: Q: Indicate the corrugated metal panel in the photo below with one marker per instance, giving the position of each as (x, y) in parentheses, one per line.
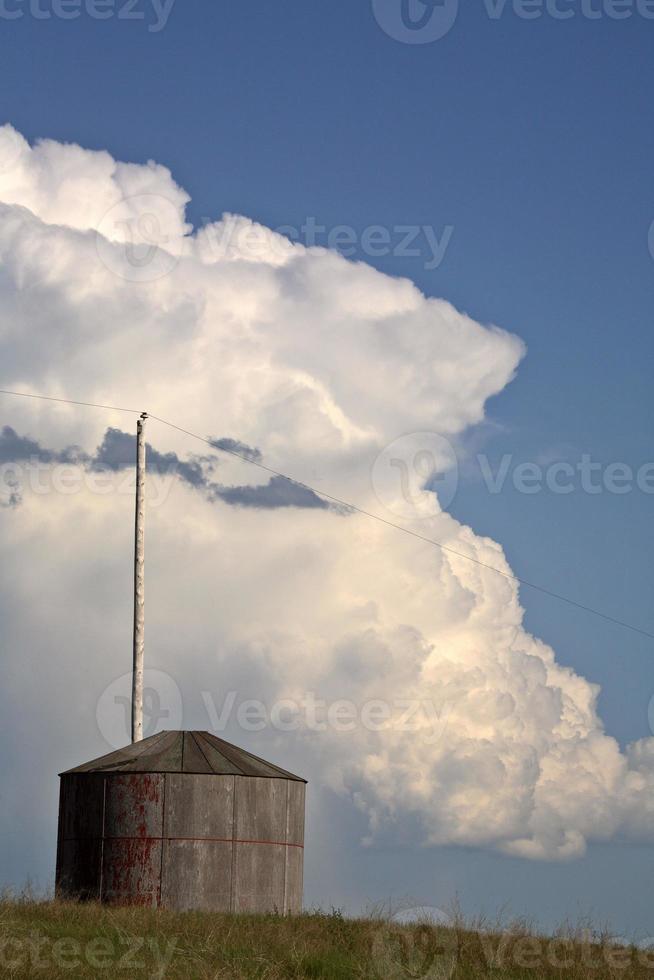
(261, 809)
(131, 872)
(248, 764)
(133, 830)
(198, 807)
(295, 813)
(138, 757)
(193, 759)
(218, 761)
(134, 805)
(197, 875)
(259, 878)
(294, 880)
(169, 754)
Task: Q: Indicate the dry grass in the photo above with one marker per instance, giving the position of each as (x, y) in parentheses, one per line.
(59, 939)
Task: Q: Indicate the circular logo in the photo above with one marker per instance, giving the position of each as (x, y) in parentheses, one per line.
(416, 21)
(416, 944)
(11, 147)
(416, 476)
(138, 238)
(162, 707)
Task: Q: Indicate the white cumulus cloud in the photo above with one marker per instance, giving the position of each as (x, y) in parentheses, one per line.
(108, 295)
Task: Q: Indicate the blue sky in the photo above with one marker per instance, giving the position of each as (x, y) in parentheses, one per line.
(533, 141)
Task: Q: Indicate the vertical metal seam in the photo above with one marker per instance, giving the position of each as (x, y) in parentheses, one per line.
(60, 835)
(303, 794)
(285, 909)
(232, 901)
(104, 810)
(196, 742)
(163, 828)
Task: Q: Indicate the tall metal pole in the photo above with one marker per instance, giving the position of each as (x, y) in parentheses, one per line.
(139, 584)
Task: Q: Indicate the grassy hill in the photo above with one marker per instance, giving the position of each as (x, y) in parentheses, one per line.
(57, 940)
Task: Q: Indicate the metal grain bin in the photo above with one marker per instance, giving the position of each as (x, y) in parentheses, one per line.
(182, 820)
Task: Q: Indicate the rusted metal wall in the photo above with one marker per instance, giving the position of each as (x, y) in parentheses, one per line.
(182, 840)
(131, 852)
(79, 846)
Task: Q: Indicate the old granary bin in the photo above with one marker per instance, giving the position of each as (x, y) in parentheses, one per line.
(182, 820)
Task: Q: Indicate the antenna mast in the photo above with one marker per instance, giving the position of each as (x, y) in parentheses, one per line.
(139, 584)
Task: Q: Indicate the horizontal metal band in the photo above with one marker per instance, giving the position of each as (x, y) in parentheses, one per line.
(209, 840)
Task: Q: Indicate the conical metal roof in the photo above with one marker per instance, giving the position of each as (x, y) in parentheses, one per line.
(193, 752)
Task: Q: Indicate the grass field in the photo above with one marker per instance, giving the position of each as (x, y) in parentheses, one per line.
(58, 939)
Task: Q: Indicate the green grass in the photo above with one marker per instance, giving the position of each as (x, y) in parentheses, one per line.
(62, 939)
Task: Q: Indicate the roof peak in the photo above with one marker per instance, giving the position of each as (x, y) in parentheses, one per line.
(190, 751)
